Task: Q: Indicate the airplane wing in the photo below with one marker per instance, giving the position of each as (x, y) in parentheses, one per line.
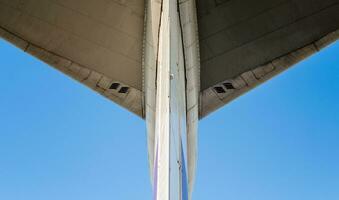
(98, 43)
(244, 43)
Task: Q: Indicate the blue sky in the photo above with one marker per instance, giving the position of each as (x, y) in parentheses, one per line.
(60, 140)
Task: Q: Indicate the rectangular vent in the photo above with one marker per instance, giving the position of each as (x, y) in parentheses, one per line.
(219, 89)
(123, 90)
(114, 86)
(229, 86)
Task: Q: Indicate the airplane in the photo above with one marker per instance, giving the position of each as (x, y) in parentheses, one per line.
(171, 62)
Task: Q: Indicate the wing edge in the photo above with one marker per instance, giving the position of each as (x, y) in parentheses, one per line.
(124, 95)
(211, 99)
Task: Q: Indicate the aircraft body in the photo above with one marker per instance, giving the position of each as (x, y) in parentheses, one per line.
(171, 62)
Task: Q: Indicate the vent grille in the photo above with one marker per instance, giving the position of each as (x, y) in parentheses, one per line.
(219, 89)
(229, 86)
(123, 90)
(114, 86)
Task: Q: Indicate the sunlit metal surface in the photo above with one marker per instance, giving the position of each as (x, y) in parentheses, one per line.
(170, 124)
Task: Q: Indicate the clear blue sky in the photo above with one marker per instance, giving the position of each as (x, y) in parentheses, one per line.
(59, 140)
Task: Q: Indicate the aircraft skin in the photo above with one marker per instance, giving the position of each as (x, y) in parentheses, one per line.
(171, 62)
(169, 144)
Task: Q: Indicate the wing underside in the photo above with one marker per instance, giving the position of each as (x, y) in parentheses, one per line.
(98, 43)
(244, 43)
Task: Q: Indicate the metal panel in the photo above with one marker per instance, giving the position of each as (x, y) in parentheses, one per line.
(239, 35)
(170, 114)
(242, 40)
(102, 38)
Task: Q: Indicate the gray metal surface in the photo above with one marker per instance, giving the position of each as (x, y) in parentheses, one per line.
(97, 42)
(211, 99)
(239, 35)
